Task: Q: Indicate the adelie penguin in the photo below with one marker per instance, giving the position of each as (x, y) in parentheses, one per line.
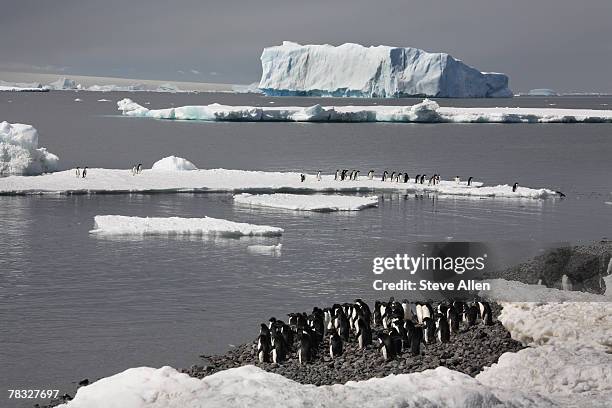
(305, 350)
(384, 176)
(364, 334)
(302, 177)
(386, 346)
(442, 328)
(335, 345)
(485, 313)
(264, 345)
(423, 178)
(336, 176)
(392, 176)
(370, 174)
(139, 168)
(416, 338)
(469, 182)
(514, 187)
(78, 172)
(406, 178)
(84, 172)
(319, 175)
(453, 319)
(429, 330)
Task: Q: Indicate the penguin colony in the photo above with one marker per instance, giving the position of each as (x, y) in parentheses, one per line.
(395, 328)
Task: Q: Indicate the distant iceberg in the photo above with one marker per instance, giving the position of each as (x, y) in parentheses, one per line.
(22, 87)
(427, 111)
(19, 151)
(64, 84)
(542, 92)
(373, 72)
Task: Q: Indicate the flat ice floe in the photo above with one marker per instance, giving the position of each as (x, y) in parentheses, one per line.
(122, 225)
(238, 181)
(301, 202)
(427, 111)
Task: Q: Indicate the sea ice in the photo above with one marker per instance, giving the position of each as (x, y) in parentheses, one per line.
(173, 163)
(427, 111)
(382, 71)
(270, 250)
(303, 202)
(122, 225)
(241, 181)
(19, 151)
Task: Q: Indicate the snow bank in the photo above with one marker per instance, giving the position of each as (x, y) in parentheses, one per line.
(271, 250)
(121, 225)
(173, 163)
(250, 386)
(19, 151)
(427, 111)
(240, 181)
(355, 70)
(299, 202)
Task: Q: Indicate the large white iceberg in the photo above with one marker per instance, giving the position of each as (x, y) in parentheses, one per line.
(382, 71)
(64, 84)
(427, 111)
(173, 163)
(304, 202)
(19, 151)
(242, 181)
(123, 225)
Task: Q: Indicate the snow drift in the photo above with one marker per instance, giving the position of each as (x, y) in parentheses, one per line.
(301, 202)
(173, 163)
(19, 151)
(122, 225)
(382, 71)
(427, 111)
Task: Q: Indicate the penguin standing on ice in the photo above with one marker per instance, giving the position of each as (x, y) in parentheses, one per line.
(392, 177)
(84, 172)
(384, 176)
(469, 182)
(423, 178)
(356, 175)
(139, 168)
(370, 174)
(302, 177)
(336, 176)
(78, 172)
(319, 175)
(457, 179)
(514, 187)
(335, 345)
(406, 178)
(417, 178)
(443, 329)
(133, 170)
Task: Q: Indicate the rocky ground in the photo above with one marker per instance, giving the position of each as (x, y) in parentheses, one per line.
(469, 351)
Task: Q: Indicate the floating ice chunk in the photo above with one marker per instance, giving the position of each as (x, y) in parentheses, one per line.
(427, 111)
(78, 100)
(542, 92)
(173, 163)
(104, 100)
(19, 151)
(270, 250)
(122, 225)
(300, 202)
(355, 70)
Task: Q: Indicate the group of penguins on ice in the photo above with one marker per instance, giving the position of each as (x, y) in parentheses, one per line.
(402, 326)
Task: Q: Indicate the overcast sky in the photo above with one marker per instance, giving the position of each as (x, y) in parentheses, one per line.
(560, 44)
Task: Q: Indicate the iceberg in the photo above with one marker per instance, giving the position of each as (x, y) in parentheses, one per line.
(22, 87)
(353, 70)
(20, 154)
(542, 92)
(302, 202)
(242, 181)
(122, 225)
(64, 84)
(173, 163)
(427, 111)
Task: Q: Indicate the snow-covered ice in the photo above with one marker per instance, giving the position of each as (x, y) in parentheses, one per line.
(542, 92)
(64, 84)
(303, 202)
(240, 181)
(123, 225)
(19, 151)
(270, 250)
(382, 71)
(173, 163)
(427, 111)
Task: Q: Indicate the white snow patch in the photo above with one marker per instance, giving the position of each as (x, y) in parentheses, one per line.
(382, 71)
(78, 100)
(427, 111)
(270, 250)
(239, 181)
(122, 225)
(173, 163)
(300, 202)
(104, 100)
(19, 151)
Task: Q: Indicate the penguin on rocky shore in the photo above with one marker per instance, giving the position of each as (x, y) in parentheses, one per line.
(385, 344)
